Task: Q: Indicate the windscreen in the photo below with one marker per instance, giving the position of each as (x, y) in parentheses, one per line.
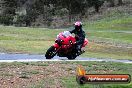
(67, 33)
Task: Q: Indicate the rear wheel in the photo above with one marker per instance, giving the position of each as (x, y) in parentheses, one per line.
(51, 52)
(71, 57)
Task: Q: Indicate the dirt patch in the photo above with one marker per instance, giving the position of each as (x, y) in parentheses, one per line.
(29, 75)
(55, 74)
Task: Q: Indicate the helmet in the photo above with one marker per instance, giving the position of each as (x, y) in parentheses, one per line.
(78, 25)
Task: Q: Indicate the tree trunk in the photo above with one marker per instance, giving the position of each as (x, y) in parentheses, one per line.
(96, 8)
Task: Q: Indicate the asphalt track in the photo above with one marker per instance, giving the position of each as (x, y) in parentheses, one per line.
(5, 57)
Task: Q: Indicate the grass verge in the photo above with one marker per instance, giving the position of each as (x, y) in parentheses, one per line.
(58, 74)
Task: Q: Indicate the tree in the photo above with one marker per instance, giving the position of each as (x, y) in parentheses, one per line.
(10, 6)
(112, 3)
(120, 2)
(28, 11)
(97, 4)
(8, 11)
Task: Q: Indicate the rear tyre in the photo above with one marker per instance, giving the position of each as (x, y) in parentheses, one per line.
(71, 57)
(51, 52)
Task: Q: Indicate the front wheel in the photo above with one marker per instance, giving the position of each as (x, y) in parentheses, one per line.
(51, 52)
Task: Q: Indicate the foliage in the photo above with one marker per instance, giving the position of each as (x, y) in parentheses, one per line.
(47, 9)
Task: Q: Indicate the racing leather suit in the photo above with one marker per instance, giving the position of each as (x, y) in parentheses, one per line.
(80, 37)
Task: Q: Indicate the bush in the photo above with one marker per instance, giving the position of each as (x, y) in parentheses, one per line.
(6, 19)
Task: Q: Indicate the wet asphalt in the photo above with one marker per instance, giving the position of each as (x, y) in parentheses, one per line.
(6, 57)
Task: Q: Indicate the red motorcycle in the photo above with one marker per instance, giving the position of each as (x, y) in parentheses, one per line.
(65, 46)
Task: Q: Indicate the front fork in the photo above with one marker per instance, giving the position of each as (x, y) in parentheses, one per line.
(57, 47)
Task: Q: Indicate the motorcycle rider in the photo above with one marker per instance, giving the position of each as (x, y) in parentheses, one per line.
(79, 35)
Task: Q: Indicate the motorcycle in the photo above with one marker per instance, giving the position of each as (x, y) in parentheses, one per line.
(65, 46)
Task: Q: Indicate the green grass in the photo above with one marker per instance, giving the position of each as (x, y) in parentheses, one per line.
(25, 34)
(112, 22)
(112, 36)
(24, 75)
(117, 30)
(115, 27)
(26, 40)
(101, 55)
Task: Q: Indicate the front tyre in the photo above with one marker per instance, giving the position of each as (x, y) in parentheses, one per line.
(51, 52)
